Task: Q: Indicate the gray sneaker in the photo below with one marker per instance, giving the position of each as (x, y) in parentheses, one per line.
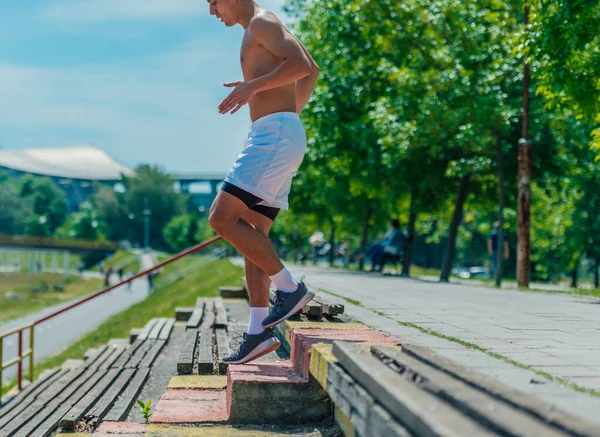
(253, 347)
(287, 304)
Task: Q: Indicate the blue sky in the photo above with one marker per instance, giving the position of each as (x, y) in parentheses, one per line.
(140, 79)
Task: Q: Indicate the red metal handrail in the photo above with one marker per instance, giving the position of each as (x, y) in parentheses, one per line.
(23, 354)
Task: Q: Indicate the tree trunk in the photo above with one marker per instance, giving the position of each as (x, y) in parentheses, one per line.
(332, 242)
(574, 276)
(524, 183)
(454, 224)
(499, 163)
(365, 232)
(410, 241)
(597, 272)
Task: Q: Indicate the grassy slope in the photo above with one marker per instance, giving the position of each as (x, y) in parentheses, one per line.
(31, 301)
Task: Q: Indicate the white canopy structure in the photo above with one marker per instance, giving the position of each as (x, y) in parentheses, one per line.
(73, 162)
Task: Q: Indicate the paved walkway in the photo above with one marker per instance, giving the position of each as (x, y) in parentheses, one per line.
(553, 333)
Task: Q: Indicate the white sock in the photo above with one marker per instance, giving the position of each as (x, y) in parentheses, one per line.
(285, 281)
(257, 315)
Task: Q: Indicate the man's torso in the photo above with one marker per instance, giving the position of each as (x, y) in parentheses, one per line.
(257, 61)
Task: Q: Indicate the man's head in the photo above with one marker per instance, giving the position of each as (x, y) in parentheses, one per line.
(225, 10)
(395, 223)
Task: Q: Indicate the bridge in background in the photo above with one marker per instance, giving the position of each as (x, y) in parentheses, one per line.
(62, 244)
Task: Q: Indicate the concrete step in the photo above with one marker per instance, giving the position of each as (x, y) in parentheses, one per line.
(303, 335)
(193, 399)
(274, 393)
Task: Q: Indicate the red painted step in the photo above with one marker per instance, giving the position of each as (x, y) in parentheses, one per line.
(304, 338)
(191, 406)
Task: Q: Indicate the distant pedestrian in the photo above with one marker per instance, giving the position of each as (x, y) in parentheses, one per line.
(150, 282)
(107, 277)
(130, 275)
(492, 246)
(120, 272)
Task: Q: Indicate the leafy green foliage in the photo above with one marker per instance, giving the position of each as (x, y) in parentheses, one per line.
(145, 409)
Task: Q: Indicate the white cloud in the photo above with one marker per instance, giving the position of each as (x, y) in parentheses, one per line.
(161, 109)
(85, 11)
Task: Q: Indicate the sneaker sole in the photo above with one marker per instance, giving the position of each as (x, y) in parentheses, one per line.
(266, 347)
(306, 299)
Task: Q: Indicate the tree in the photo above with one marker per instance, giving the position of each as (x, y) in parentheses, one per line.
(49, 202)
(13, 208)
(122, 212)
(83, 224)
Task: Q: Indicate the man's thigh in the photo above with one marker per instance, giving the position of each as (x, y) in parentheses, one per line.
(258, 220)
(226, 207)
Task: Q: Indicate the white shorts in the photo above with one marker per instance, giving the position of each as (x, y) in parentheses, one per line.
(271, 157)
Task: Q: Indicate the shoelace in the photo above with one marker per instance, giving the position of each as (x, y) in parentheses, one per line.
(281, 296)
(237, 353)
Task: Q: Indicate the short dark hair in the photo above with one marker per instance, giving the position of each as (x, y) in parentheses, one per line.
(395, 223)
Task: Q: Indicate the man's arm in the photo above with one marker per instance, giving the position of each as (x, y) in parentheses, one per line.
(489, 245)
(306, 85)
(268, 31)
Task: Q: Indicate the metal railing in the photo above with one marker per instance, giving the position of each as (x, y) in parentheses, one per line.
(22, 355)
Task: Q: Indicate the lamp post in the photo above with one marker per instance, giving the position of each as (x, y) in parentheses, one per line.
(146, 213)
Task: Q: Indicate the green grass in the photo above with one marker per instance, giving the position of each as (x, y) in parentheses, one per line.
(204, 281)
(31, 301)
(347, 299)
(121, 258)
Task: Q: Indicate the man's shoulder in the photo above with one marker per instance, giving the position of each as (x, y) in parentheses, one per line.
(264, 21)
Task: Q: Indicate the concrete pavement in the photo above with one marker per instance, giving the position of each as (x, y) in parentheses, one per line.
(556, 335)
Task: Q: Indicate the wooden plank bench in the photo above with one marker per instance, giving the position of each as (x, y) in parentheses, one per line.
(166, 331)
(232, 292)
(205, 352)
(221, 314)
(182, 314)
(128, 396)
(151, 355)
(185, 362)
(106, 402)
(117, 352)
(147, 329)
(83, 405)
(208, 320)
(27, 429)
(27, 395)
(196, 317)
(55, 394)
(48, 426)
(155, 331)
(329, 308)
(223, 350)
(138, 355)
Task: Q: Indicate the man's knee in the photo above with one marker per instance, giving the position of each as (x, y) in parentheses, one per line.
(218, 221)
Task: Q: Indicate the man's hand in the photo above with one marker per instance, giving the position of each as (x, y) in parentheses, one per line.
(242, 93)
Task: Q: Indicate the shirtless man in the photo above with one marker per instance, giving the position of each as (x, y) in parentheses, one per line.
(279, 77)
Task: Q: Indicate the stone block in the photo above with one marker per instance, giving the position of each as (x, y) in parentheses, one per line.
(182, 314)
(274, 393)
